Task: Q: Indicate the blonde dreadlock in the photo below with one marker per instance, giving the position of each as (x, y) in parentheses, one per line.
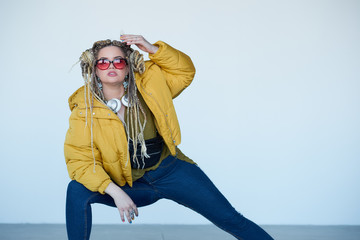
(91, 85)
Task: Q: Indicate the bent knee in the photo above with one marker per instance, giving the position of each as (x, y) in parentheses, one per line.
(77, 193)
(75, 187)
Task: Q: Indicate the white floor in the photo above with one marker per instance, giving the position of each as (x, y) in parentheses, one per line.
(174, 232)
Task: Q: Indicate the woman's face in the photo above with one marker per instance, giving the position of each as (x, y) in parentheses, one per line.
(112, 75)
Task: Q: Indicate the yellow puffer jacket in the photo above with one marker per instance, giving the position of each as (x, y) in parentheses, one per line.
(167, 74)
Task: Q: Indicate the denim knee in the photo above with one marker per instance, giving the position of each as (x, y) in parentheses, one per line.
(78, 194)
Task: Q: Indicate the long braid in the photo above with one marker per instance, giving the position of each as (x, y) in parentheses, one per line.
(86, 63)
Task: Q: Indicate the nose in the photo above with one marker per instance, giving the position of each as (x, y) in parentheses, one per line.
(111, 66)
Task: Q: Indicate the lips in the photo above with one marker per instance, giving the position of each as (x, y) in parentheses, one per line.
(112, 74)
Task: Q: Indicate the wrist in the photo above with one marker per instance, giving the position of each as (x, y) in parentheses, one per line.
(113, 190)
(153, 49)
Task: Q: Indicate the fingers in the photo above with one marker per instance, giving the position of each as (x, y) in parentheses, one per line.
(136, 211)
(140, 42)
(132, 39)
(133, 211)
(122, 215)
(129, 213)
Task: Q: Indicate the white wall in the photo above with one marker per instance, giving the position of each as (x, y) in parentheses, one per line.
(272, 115)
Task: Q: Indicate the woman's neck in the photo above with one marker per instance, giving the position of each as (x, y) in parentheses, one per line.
(113, 91)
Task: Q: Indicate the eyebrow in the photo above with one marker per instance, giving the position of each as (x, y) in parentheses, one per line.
(114, 57)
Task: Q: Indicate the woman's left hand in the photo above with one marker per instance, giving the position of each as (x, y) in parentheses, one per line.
(140, 42)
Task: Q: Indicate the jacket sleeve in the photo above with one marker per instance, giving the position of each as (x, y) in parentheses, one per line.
(177, 67)
(79, 157)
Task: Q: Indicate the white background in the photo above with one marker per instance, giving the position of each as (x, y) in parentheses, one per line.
(272, 115)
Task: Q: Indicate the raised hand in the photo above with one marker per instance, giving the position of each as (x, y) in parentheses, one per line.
(140, 42)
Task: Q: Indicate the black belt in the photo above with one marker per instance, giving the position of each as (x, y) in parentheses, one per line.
(154, 148)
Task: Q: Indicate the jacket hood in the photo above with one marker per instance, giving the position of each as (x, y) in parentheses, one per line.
(78, 99)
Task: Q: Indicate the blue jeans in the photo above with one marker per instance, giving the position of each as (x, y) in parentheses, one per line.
(174, 179)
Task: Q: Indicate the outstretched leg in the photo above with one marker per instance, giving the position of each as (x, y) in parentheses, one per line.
(188, 185)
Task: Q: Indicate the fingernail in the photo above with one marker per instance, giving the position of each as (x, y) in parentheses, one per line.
(123, 220)
(130, 222)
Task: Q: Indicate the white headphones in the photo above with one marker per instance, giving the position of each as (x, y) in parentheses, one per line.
(115, 104)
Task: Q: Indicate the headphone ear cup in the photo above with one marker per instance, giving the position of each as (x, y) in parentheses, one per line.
(125, 100)
(114, 104)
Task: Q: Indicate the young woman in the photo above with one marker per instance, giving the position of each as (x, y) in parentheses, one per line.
(121, 146)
